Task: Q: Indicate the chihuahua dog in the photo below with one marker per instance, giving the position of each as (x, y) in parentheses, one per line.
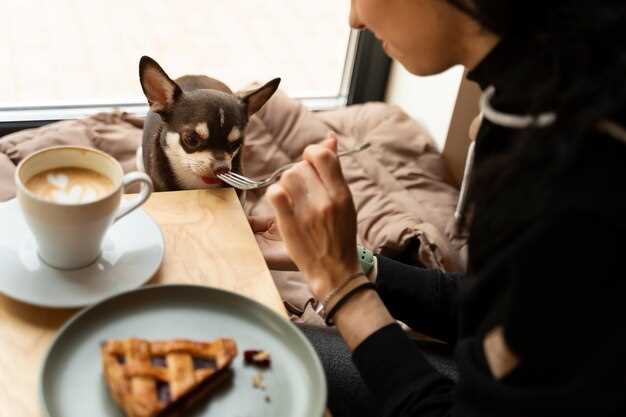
(194, 129)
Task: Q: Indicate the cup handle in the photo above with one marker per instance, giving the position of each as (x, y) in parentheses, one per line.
(144, 193)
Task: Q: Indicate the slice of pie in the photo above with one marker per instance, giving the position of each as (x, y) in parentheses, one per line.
(164, 378)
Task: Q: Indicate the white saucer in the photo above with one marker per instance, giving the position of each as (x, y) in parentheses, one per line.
(131, 254)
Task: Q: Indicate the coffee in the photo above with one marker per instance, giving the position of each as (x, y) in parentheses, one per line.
(70, 185)
(69, 209)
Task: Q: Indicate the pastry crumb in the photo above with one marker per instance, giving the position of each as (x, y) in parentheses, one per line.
(257, 381)
(267, 399)
(258, 358)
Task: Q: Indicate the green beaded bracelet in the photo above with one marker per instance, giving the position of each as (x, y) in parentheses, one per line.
(366, 259)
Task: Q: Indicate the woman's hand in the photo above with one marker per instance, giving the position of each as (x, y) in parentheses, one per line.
(271, 243)
(317, 219)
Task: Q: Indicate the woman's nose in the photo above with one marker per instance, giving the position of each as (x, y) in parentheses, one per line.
(355, 21)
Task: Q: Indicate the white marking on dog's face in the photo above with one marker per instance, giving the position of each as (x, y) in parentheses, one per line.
(189, 168)
(202, 129)
(222, 117)
(235, 134)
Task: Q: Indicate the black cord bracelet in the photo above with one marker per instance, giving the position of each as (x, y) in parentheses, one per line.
(344, 299)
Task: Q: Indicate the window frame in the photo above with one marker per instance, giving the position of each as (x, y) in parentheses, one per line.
(366, 71)
(370, 70)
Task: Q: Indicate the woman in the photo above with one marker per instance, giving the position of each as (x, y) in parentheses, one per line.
(536, 323)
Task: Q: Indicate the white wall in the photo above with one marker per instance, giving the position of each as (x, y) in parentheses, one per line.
(430, 100)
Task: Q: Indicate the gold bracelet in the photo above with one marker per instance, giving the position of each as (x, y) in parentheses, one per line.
(341, 287)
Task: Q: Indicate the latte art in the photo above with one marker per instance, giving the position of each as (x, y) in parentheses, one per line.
(70, 185)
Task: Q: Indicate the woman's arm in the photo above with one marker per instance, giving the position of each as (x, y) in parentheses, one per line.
(317, 220)
(390, 363)
(424, 299)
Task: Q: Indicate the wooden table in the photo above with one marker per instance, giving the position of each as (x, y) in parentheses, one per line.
(207, 241)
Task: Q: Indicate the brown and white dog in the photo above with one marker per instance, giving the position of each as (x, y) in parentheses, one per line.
(194, 129)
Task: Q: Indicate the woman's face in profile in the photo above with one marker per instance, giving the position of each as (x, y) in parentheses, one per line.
(426, 36)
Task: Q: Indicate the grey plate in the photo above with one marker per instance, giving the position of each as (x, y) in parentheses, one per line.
(71, 381)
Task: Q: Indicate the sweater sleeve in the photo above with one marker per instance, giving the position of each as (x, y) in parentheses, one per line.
(567, 306)
(399, 376)
(426, 300)
(565, 286)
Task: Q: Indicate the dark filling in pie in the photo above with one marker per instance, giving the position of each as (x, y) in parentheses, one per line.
(203, 363)
(158, 361)
(163, 392)
(196, 394)
(163, 388)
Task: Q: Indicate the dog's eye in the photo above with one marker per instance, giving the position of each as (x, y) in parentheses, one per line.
(191, 140)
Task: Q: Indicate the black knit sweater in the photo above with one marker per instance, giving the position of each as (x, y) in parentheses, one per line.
(551, 275)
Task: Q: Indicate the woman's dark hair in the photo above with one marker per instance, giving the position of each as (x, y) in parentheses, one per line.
(580, 48)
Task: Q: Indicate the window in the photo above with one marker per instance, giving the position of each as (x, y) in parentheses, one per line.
(68, 58)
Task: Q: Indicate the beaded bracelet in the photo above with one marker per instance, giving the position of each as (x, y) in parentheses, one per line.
(343, 300)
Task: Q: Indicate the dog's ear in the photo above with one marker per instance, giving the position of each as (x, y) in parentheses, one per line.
(255, 99)
(160, 90)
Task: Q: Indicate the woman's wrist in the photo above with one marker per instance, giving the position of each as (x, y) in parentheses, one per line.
(329, 275)
(362, 315)
(337, 299)
(340, 291)
(329, 278)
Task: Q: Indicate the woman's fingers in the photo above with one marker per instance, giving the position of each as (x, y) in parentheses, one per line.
(280, 200)
(271, 243)
(260, 224)
(316, 217)
(331, 142)
(324, 160)
(275, 253)
(292, 184)
(305, 189)
(285, 218)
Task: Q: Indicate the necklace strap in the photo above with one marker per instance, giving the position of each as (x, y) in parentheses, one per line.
(513, 121)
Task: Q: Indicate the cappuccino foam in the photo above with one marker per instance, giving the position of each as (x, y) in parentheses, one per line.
(70, 185)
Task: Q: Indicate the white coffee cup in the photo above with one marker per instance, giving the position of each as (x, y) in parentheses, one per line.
(69, 236)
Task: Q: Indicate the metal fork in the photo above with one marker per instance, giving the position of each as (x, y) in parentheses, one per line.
(244, 183)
